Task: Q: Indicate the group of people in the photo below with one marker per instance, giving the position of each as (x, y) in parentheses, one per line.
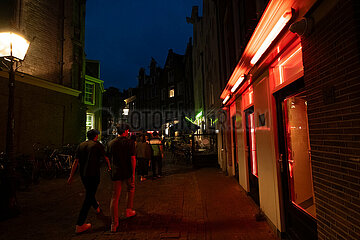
(149, 152)
(121, 157)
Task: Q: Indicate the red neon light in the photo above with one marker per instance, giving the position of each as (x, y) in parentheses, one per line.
(282, 64)
(237, 84)
(284, 19)
(226, 99)
(288, 67)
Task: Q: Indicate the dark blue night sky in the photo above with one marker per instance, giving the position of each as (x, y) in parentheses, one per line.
(124, 35)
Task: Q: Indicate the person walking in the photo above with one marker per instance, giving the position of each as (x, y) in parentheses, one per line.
(88, 155)
(157, 155)
(123, 162)
(143, 156)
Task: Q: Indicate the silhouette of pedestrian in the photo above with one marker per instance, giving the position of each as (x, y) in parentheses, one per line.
(88, 155)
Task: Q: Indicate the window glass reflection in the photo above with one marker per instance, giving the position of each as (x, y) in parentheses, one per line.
(298, 154)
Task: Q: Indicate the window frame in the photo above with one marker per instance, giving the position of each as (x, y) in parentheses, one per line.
(92, 126)
(86, 93)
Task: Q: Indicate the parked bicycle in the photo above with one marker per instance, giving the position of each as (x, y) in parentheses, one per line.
(63, 160)
(44, 166)
(54, 162)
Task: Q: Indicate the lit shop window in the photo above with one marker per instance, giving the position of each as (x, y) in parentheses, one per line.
(298, 154)
(89, 121)
(89, 93)
(172, 93)
(288, 67)
(125, 111)
(252, 143)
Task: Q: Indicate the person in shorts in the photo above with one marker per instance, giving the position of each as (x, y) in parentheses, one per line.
(123, 162)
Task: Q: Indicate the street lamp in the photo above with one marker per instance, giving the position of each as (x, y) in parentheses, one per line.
(13, 48)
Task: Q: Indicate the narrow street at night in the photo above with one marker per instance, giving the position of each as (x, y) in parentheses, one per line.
(186, 203)
(187, 119)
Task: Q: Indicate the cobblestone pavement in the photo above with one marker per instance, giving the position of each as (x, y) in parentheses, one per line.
(184, 204)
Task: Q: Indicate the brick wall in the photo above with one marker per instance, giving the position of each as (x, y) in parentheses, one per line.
(332, 71)
(42, 22)
(41, 116)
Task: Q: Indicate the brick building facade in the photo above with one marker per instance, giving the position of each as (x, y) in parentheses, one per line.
(93, 96)
(177, 86)
(290, 131)
(166, 94)
(49, 84)
(148, 97)
(331, 74)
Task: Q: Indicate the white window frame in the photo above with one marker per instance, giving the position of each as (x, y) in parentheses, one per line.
(86, 93)
(91, 124)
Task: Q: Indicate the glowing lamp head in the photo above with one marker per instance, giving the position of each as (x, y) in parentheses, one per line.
(13, 46)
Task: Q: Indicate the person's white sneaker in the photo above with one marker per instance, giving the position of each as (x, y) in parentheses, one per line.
(82, 228)
(130, 213)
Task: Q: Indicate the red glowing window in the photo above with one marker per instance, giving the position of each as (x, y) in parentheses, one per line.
(298, 154)
(252, 142)
(288, 67)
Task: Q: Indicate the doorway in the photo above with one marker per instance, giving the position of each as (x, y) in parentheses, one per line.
(236, 164)
(252, 158)
(295, 163)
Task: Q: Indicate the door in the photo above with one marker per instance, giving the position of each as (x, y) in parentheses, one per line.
(236, 164)
(295, 166)
(251, 150)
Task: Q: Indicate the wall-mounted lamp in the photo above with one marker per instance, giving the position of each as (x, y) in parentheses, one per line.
(238, 82)
(284, 19)
(302, 27)
(226, 99)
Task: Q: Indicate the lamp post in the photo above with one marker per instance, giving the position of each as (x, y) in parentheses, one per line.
(13, 48)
